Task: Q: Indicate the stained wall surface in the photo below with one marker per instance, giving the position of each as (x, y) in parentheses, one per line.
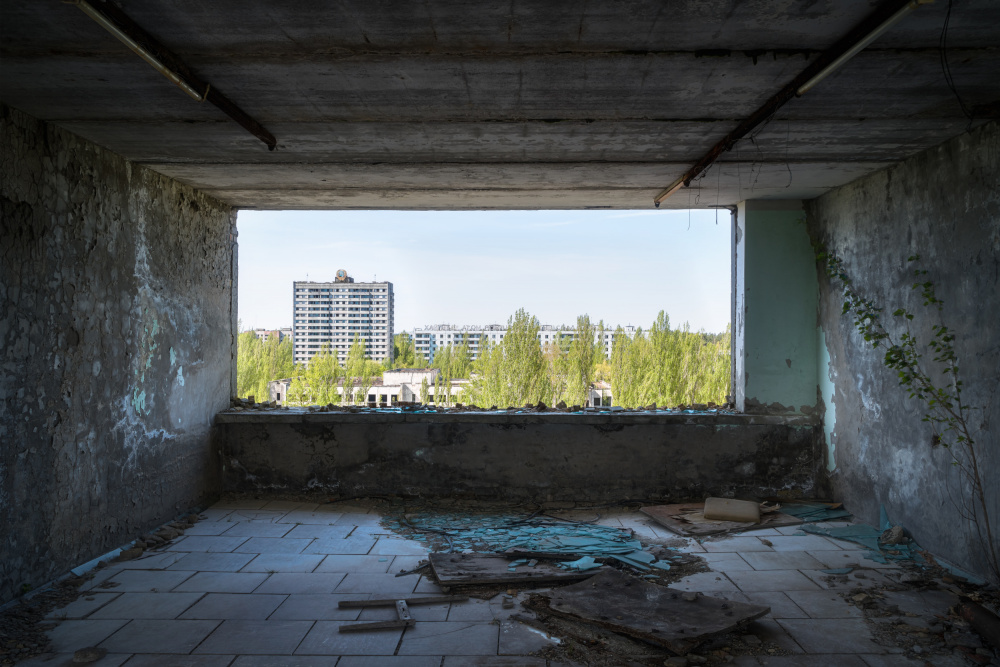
(943, 205)
(116, 347)
(523, 457)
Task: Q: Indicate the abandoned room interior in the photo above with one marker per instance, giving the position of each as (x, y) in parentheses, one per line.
(854, 147)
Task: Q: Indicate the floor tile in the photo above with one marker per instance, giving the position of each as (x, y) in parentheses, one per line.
(283, 563)
(318, 531)
(425, 585)
(302, 583)
(273, 545)
(258, 515)
(317, 608)
(214, 562)
(355, 563)
(831, 635)
(223, 582)
(887, 660)
(705, 582)
(850, 558)
(740, 544)
(207, 543)
(82, 606)
(824, 604)
(66, 660)
(258, 529)
(148, 606)
(286, 661)
(350, 545)
(856, 579)
(256, 637)
(472, 609)
(390, 661)
(150, 560)
(234, 606)
(159, 636)
(355, 519)
(404, 562)
(726, 562)
(781, 605)
(450, 638)
(134, 581)
(69, 636)
(768, 630)
(379, 585)
(801, 543)
(520, 639)
(209, 528)
(772, 580)
(781, 560)
(388, 546)
(153, 660)
(326, 639)
(306, 517)
(843, 660)
(212, 515)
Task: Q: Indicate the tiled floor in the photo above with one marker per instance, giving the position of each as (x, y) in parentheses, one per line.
(257, 583)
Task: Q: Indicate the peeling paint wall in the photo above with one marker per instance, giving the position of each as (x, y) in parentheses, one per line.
(523, 457)
(944, 205)
(116, 345)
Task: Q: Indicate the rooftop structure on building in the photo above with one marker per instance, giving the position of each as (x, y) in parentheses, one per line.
(427, 340)
(329, 315)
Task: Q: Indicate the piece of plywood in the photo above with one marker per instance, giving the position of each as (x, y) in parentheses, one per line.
(675, 619)
(687, 519)
(478, 569)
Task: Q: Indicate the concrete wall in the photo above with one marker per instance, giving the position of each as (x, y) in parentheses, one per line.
(774, 310)
(116, 348)
(944, 205)
(522, 457)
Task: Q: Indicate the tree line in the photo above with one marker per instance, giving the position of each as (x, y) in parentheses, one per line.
(660, 365)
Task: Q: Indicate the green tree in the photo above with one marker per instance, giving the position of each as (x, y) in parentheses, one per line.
(404, 352)
(514, 372)
(425, 391)
(585, 351)
(321, 377)
(259, 362)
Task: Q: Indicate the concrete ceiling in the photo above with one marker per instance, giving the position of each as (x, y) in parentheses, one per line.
(449, 104)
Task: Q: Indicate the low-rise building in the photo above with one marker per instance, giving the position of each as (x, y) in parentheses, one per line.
(280, 334)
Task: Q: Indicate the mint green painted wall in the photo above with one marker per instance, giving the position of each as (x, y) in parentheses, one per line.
(780, 291)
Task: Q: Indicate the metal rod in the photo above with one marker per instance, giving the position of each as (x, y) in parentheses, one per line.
(129, 33)
(876, 22)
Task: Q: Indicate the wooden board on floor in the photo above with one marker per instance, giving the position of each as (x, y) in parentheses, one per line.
(479, 569)
(656, 614)
(670, 516)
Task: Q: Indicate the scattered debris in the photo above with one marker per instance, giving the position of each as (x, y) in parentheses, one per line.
(485, 569)
(688, 519)
(656, 614)
(870, 538)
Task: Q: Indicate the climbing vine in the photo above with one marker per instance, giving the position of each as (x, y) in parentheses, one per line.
(945, 410)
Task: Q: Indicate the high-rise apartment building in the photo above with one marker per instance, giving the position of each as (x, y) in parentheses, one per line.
(331, 314)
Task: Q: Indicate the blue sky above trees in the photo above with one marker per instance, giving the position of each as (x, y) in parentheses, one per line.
(479, 267)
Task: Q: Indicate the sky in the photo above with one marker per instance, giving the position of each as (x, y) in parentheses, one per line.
(479, 267)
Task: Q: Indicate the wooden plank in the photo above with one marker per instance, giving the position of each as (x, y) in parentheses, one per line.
(391, 602)
(668, 617)
(376, 625)
(485, 569)
(671, 516)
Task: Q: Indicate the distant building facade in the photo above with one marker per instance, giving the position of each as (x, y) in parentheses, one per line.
(400, 385)
(331, 314)
(280, 334)
(427, 340)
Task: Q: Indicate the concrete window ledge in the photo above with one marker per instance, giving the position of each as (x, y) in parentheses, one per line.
(522, 457)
